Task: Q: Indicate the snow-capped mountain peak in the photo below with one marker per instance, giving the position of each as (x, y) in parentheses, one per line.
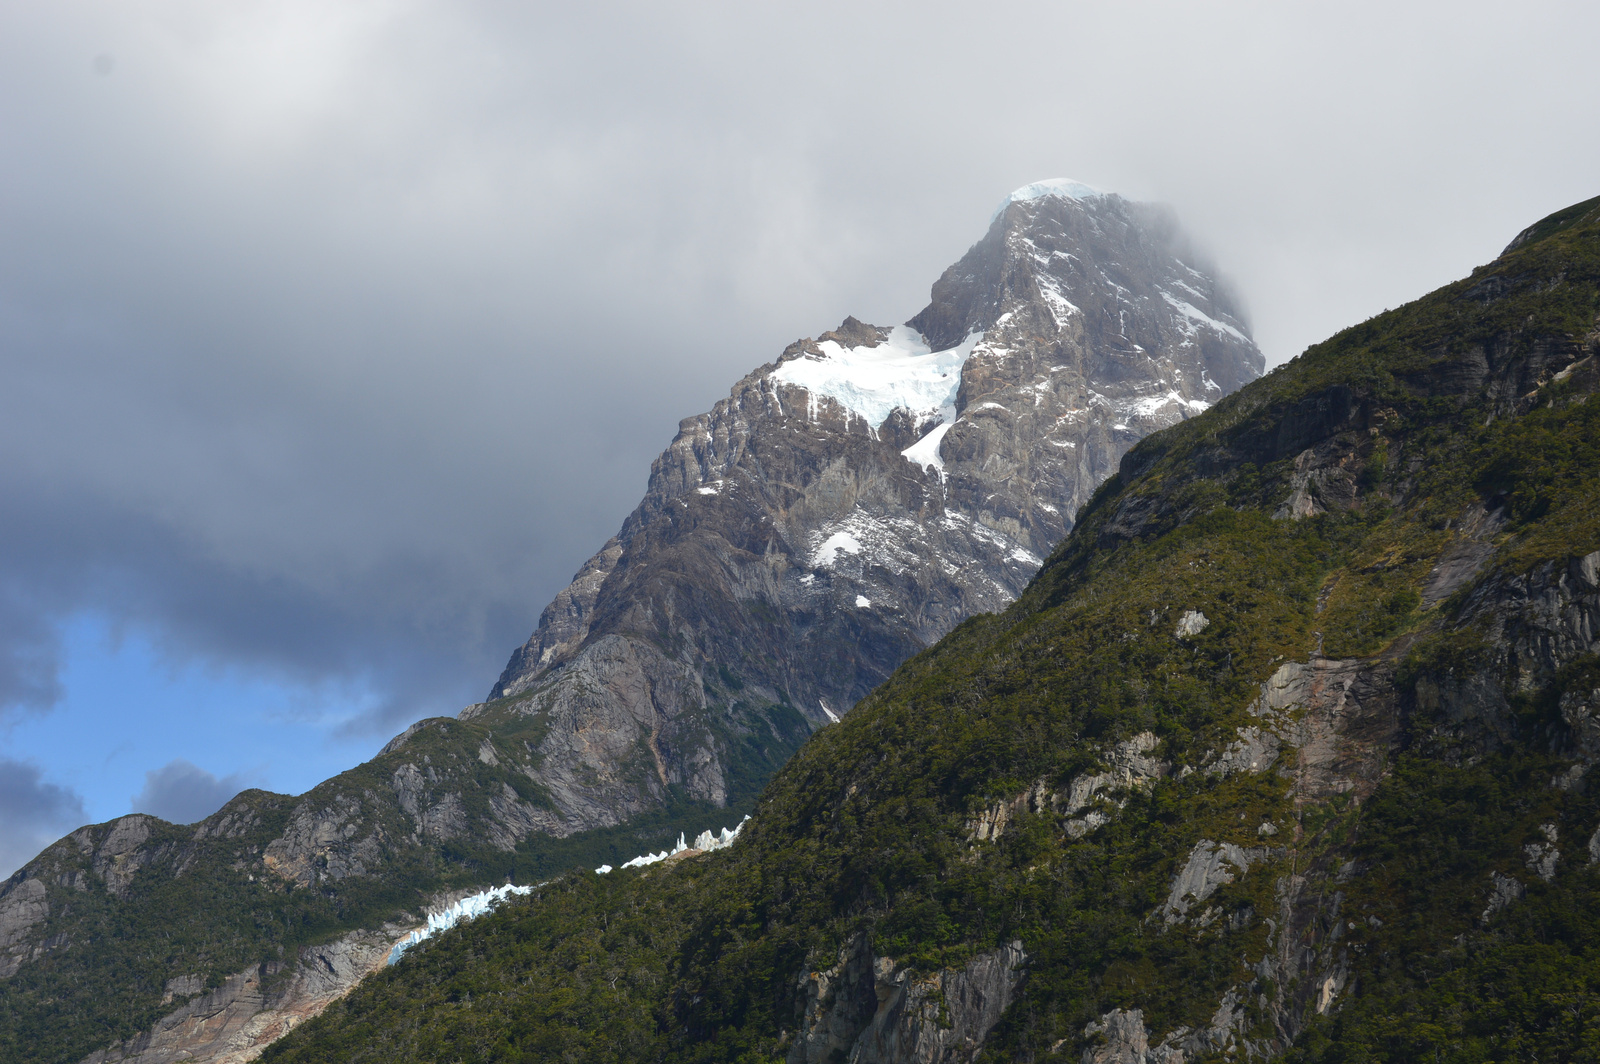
(851, 502)
(1065, 187)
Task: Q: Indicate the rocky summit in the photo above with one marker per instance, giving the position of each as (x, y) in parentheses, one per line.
(845, 507)
(850, 503)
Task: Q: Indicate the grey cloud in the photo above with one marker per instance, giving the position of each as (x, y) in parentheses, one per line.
(183, 793)
(33, 813)
(29, 660)
(334, 339)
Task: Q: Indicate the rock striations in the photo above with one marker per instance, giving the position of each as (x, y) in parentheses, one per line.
(852, 502)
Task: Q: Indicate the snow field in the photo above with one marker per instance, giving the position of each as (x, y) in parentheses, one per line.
(873, 382)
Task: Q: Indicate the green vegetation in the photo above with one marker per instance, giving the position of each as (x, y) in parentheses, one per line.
(574, 972)
(1398, 436)
(1414, 417)
(207, 907)
(1438, 982)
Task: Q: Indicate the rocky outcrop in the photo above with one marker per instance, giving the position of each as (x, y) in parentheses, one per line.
(1341, 719)
(1088, 801)
(1120, 1037)
(869, 1010)
(235, 1022)
(120, 855)
(24, 905)
(1529, 627)
(110, 858)
(1210, 865)
(624, 722)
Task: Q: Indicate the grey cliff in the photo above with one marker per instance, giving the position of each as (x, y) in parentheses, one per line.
(790, 552)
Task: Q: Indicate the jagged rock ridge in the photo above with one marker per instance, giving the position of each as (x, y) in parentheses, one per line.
(850, 503)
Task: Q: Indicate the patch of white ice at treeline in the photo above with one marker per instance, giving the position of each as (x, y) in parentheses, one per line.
(475, 905)
(873, 382)
(468, 908)
(703, 842)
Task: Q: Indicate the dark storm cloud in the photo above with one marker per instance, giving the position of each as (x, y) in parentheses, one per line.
(183, 793)
(33, 813)
(334, 337)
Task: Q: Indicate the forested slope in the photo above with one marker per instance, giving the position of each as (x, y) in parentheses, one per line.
(1284, 751)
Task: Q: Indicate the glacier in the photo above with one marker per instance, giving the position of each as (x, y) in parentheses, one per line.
(468, 908)
(475, 905)
(702, 842)
(872, 382)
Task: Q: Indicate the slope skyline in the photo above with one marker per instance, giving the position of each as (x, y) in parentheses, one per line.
(849, 504)
(183, 792)
(287, 294)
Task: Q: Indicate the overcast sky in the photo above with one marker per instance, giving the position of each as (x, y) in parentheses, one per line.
(334, 337)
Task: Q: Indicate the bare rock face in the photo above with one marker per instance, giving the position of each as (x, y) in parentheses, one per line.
(1089, 801)
(1210, 866)
(121, 854)
(1535, 624)
(237, 1021)
(852, 502)
(870, 1010)
(24, 905)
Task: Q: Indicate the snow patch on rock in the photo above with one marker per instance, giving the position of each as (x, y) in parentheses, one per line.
(873, 382)
(1199, 319)
(925, 452)
(839, 543)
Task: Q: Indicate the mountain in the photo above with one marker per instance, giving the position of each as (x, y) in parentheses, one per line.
(849, 504)
(841, 510)
(1287, 751)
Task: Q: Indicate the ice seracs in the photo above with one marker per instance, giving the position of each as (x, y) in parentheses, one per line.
(703, 842)
(475, 905)
(468, 908)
